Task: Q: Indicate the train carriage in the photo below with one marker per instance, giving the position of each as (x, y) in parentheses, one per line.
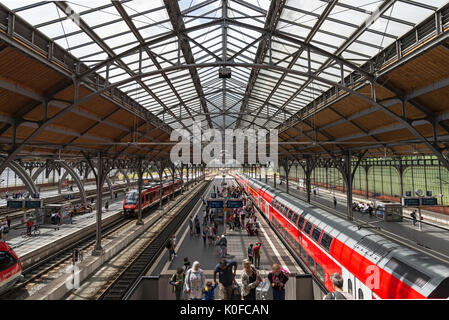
(10, 267)
(149, 196)
(372, 266)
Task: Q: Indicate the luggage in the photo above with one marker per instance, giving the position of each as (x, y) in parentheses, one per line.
(236, 293)
(262, 291)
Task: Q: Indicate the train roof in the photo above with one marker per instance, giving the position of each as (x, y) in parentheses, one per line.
(386, 253)
(4, 246)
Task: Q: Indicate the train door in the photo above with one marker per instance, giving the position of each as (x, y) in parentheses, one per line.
(267, 208)
(348, 281)
(361, 292)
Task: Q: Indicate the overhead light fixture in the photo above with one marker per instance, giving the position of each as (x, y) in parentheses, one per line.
(224, 73)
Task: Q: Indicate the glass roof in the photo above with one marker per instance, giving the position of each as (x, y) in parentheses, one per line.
(233, 30)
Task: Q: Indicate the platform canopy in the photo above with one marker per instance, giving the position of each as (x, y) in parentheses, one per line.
(119, 76)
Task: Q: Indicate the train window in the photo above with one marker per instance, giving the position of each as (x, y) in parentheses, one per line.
(6, 260)
(316, 234)
(301, 222)
(311, 263)
(326, 241)
(297, 246)
(308, 227)
(320, 272)
(131, 198)
(350, 286)
(295, 218)
(360, 294)
(147, 197)
(289, 215)
(303, 254)
(409, 273)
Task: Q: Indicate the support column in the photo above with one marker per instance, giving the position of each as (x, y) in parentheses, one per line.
(287, 172)
(266, 174)
(187, 170)
(181, 171)
(349, 178)
(173, 182)
(160, 185)
(366, 181)
(401, 177)
(139, 191)
(274, 176)
(98, 250)
(307, 172)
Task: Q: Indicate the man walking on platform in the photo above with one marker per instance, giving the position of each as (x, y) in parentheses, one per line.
(226, 278)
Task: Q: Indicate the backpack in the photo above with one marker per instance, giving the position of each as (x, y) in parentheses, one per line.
(167, 244)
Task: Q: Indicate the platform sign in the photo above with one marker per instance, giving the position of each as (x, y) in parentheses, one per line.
(33, 204)
(410, 202)
(429, 201)
(15, 204)
(234, 203)
(215, 204)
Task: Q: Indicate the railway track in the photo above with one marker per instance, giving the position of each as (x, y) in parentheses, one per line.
(40, 274)
(143, 258)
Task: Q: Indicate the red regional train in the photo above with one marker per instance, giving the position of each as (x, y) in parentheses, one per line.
(372, 266)
(150, 196)
(10, 267)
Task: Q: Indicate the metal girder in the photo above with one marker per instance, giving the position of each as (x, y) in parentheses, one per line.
(177, 22)
(368, 22)
(316, 77)
(85, 27)
(330, 6)
(21, 172)
(428, 89)
(264, 45)
(150, 54)
(79, 183)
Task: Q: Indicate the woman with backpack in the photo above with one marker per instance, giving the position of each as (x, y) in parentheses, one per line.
(278, 279)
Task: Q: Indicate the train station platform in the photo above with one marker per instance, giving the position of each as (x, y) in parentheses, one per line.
(30, 249)
(432, 240)
(238, 241)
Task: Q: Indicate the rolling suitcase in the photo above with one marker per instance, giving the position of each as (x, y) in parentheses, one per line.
(262, 291)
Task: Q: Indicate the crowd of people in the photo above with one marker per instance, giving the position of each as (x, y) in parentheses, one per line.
(21, 194)
(363, 207)
(189, 281)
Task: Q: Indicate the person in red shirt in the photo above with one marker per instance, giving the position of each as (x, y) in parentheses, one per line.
(256, 254)
(29, 225)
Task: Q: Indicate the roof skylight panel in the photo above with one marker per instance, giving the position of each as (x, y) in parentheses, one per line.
(410, 13)
(37, 15)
